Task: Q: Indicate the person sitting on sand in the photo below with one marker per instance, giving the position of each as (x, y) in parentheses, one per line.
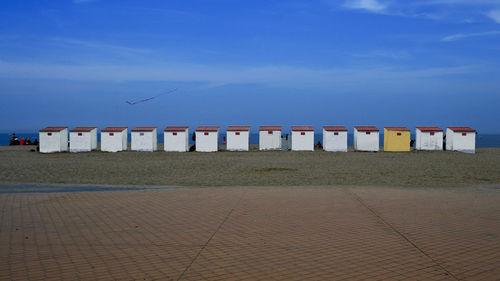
(13, 140)
(28, 141)
(444, 141)
(35, 142)
(318, 145)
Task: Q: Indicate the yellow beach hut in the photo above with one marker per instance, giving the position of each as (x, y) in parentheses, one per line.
(396, 139)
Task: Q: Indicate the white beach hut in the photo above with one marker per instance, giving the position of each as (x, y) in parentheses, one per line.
(429, 138)
(83, 139)
(207, 139)
(366, 138)
(53, 139)
(302, 138)
(461, 139)
(270, 138)
(114, 139)
(144, 139)
(176, 139)
(335, 138)
(238, 138)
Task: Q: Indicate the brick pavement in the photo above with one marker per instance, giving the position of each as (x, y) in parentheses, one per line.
(252, 233)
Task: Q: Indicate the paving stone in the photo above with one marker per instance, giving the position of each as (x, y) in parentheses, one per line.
(252, 233)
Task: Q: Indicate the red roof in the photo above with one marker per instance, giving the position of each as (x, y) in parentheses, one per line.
(238, 128)
(430, 129)
(143, 129)
(175, 129)
(83, 129)
(302, 128)
(335, 128)
(366, 128)
(270, 128)
(114, 129)
(396, 129)
(461, 129)
(211, 129)
(53, 129)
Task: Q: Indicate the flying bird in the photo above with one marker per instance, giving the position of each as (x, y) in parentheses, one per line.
(148, 99)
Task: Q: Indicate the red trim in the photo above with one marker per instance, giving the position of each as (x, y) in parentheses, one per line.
(270, 128)
(335, 128)
(114, 129)
(238, 128)
(53, 129)
(83, 129)
(302, 128)
(208, 129)
(429, 129)
(396, 129)
(461, 129)
(175, 129)
(366, 128)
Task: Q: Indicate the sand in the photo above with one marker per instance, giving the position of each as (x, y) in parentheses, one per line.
(254, 168)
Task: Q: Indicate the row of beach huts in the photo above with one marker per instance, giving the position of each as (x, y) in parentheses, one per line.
(176, 139)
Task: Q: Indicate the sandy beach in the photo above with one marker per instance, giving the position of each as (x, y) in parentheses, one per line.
(253, 168)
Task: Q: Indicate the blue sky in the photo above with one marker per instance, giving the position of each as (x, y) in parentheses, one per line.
(316, 62)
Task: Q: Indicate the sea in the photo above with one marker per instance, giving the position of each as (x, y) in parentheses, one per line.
(482, 140)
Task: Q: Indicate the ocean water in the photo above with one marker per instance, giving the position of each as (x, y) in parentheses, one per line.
(485, 140)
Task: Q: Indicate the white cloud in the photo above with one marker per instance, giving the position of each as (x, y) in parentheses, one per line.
(494, 15)
(277, 75)
(455, 10)
(82, 1)
(104, 47)
(457, 2)
(459, 36)
(383, 54)
(368, 5)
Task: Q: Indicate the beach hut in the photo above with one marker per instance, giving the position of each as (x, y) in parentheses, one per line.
(302, 138)
(461, 139)
(270, 138)
(207, 139)
(53, 139)
(144, 139)
(429, 138)
(238, 138)
(396, 139)
(114, 139)
(176, 139)
(83, 139)
(335, 138)
(366, 138)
